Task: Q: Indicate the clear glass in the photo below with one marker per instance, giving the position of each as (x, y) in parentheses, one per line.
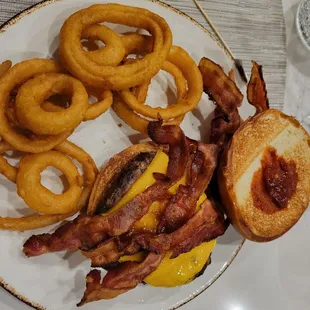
(303, 22)
(303, 29)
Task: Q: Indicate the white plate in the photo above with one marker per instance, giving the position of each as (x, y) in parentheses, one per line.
(57, 281)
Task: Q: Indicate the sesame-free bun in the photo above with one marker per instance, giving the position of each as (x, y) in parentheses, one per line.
(242, 183)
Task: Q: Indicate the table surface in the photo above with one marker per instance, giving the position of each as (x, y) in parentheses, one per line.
(254, 30)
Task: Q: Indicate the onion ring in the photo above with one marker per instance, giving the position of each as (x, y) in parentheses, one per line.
(10, 113)
(111, 77)
(140, 92)
(31, 222)
(182, 60)
(90, 170)
(17, 75)
(113, 52)
(38, 197)
(94, 110)
(105, 100)
(6, 169)
(139, 123)
(39, 221)
(134, 120)
(35, 91)
(135, 43)
(5, 67)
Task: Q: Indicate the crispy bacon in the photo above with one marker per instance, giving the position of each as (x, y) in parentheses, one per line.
(206, 232)
(205, 225)
(119, 280)
(103, 254)
(220, 88)
(178, 147)
(256, 92)
(111, 250)
(87, 231)
(224, 92)
(182, 206)
(70, 236)
(224, 126)
(208, 221)
(231, 74)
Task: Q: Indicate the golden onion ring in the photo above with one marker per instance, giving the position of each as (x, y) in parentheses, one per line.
(134, 120)
(5, 67)
(94, 110)
(140, 92)
(113, 52)
(31, 222)
(138, 122)
(39, 221)
(135, 43)
(38, 197)
(30, 96)
(6, 169)
(182, 60)
(111, 77)
(90, 170)
(105, 100)
(18, 75)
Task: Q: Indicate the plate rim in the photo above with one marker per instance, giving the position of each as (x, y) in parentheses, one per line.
(12, 21)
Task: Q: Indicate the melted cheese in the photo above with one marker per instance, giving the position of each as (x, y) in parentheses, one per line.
(182, 269)
(159, 164)
(171, 272)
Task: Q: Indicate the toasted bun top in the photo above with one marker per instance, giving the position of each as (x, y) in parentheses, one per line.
(243, 188)
(112, 170)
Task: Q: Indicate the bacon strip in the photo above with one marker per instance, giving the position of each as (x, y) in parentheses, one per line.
(111, 250)
(207, 232)
(182, 206)
(224, 126)
(220, 88)
(178, 147)
(256, 92)
(224, 92)
(70, 236)
(207, 221)
(231, 74)
(103, 254)
(87, 231)
(119, 280)
(205, 225)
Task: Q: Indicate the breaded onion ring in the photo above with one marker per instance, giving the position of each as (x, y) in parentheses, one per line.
(5, 67)
(113, 52)
(135, 43)
(81, 66)
(17, 75)
(138, 122)
(141, 91)
(35, 91)
(38, 197)
(38, 221)
(6, 169)
(31, 222)
(105, 100)
(90, 170)
(186, 64)
(94, 110)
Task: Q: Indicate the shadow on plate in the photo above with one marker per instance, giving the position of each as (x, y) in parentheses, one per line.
(231, 236)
